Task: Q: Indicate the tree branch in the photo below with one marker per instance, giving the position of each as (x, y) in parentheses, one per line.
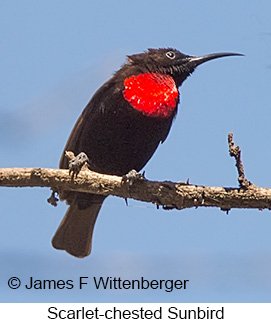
(167, 194)
(235, 152)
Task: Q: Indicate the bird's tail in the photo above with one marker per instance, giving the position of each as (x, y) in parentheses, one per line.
(74, 233)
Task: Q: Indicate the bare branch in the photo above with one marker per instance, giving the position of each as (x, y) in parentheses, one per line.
(167, 194)
(235, 152)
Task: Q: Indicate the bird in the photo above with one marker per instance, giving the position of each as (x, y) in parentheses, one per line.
(120, 129)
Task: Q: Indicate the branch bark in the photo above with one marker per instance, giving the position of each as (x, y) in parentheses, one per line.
(167, 194)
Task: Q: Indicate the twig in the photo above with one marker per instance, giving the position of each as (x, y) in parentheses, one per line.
(235, 152)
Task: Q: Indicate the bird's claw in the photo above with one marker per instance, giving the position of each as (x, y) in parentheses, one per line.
(132, 177)
(77, 163)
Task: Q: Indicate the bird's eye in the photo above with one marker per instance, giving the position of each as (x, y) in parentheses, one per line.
(170, 55)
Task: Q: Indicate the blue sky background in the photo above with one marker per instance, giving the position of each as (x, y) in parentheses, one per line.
(54, 55)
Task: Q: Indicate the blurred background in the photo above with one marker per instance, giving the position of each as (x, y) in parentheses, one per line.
(54, 55)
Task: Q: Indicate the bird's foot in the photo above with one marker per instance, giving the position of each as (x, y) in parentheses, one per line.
(132, 176)
(77, 163)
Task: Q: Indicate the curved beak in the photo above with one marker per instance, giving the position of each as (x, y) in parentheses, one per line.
(197, 60)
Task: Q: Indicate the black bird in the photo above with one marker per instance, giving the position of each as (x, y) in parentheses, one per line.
(120, 129)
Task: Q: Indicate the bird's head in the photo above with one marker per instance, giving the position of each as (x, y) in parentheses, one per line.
(170, 61)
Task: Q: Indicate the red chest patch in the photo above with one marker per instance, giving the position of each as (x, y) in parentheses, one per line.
(155, 95)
